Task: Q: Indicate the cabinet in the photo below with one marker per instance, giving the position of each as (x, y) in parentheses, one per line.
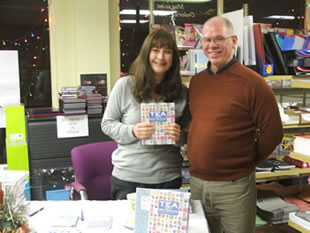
(46, 151)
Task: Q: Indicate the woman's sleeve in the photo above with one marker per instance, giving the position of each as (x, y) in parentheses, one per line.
(111, 123)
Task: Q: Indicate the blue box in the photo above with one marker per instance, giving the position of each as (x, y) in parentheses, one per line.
(27, 191)
(58, 195)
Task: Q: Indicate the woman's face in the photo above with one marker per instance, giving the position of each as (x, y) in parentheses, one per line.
(161, 61)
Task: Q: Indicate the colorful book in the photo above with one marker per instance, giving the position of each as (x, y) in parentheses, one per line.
(161, 211)
(161, 114)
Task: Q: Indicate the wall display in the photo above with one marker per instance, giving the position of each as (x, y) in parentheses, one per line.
(99, 81)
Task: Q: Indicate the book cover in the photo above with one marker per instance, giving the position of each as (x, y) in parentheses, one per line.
(161, 210)
(161, 114)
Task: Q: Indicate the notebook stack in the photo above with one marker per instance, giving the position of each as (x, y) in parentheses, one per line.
(93, 99)
(70, 103)
(72, 106)
(94, 103)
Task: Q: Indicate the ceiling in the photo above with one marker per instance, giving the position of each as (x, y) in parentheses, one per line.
(18, 17)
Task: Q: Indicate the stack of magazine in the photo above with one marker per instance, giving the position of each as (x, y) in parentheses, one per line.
(269, 165)
(301, 218)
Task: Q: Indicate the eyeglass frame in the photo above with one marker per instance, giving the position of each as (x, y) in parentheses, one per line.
(217, 40)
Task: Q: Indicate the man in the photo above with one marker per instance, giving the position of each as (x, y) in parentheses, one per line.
(235, 125)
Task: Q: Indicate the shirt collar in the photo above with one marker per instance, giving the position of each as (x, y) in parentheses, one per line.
(232, 61)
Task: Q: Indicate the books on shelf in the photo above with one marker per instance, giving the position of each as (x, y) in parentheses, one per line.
(160, 114)
(157, 207)
(296, 162)
(302, 145)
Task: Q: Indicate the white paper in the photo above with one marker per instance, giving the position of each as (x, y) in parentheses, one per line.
(2, 117)
(9, 78)
(305, 116)
(236, 18)
(248, 43)
(72, 126)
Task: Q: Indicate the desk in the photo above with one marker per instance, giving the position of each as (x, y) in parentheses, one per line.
(119, 210)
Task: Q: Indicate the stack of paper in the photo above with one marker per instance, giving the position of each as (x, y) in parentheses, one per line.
(301, 218)
(302, 145)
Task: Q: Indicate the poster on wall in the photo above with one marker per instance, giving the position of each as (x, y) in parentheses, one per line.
(98, 81)
(9, 81)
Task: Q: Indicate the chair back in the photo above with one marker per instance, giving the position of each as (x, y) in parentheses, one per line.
(92, 165)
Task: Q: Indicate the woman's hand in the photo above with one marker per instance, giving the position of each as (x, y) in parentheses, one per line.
(143, 130)
(173, 130)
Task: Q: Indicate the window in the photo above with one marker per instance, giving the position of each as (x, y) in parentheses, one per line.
(24, 27)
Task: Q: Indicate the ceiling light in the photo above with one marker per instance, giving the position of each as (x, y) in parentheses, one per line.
(146, 12)
(133, 21)
(189, 1)
(285, 17)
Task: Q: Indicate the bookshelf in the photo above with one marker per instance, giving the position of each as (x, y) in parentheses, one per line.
(284, 174)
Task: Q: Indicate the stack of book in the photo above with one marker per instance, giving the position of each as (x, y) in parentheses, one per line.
(269, 165)
(69, 92)
(301, 218)
(94, 103)
(70, 103)
(72, 106)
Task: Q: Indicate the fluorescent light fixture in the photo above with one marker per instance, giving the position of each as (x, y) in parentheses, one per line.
(285, 17)
(146, 12)
(189, 1)
(133, 21)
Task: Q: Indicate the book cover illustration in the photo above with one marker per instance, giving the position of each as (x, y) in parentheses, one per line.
(161, 211)
(161, 114)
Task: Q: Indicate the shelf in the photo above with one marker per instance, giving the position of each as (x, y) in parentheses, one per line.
(279, 77)
(298, 156)
(297, 227)
(296, 126)
(285, 77)
(262, 176)
(302, 83)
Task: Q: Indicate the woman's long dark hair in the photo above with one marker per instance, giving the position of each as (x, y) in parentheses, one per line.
(170, 89)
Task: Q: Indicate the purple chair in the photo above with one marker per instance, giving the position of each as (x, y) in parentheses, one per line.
(92, 165)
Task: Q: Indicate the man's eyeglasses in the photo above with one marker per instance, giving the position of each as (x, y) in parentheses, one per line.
(217, 40)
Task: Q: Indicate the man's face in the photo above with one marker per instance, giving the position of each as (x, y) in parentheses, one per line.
(218, 44)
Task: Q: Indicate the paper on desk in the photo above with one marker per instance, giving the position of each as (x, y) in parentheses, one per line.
(65, 220)
(100, 222)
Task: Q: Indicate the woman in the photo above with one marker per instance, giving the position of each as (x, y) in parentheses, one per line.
(154, 77)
